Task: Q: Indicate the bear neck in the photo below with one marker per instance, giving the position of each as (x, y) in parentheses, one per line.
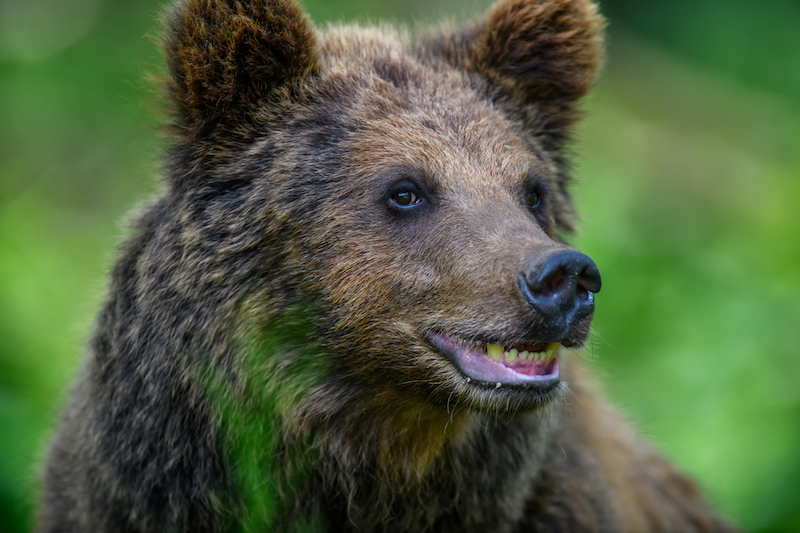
(472, 471)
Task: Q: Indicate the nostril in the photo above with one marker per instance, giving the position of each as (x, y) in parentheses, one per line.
(555, 284)
(589, 277)
(582, 292)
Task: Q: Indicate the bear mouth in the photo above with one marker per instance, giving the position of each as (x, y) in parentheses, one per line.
(493, 364)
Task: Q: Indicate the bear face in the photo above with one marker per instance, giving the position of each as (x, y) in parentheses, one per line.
(427, 223)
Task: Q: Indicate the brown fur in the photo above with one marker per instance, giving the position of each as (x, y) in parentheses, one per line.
(226, 57)
(275, 263)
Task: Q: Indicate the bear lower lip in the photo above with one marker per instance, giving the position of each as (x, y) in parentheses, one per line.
(487, 366)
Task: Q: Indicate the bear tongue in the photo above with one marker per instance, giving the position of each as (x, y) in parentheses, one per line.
(538, 367)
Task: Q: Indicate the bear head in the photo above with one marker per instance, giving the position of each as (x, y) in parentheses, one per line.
(414, 188)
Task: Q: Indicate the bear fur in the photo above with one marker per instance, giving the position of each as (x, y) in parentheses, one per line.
(266, 359)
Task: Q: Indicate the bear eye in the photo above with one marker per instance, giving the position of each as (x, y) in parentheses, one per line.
(405, 198)
(533, 199)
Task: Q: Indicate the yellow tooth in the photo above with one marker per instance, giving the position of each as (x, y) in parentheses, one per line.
(512, 354)
(552, 349)
(495, 351)
(524, 355)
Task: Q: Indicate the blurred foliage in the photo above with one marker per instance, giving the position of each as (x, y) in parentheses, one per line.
(689, 169)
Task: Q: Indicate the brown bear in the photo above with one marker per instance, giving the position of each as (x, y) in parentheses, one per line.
(353, 307)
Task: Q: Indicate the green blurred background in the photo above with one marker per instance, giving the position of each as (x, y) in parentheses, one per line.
(689, 168)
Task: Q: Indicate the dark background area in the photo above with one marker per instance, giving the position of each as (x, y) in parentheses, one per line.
(689, 171)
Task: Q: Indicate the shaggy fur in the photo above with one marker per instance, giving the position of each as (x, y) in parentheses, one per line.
(263, 360)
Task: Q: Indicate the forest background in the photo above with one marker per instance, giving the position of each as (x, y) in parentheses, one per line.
(689, 169)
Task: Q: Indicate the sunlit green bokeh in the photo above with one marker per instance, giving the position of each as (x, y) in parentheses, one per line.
(689, 170)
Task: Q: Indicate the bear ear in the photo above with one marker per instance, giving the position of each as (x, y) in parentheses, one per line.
(226, 56)
(546, 51)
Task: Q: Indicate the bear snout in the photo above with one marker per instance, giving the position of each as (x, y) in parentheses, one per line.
(559, 284)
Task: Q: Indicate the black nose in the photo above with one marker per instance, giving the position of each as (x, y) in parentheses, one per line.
(560, 284)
